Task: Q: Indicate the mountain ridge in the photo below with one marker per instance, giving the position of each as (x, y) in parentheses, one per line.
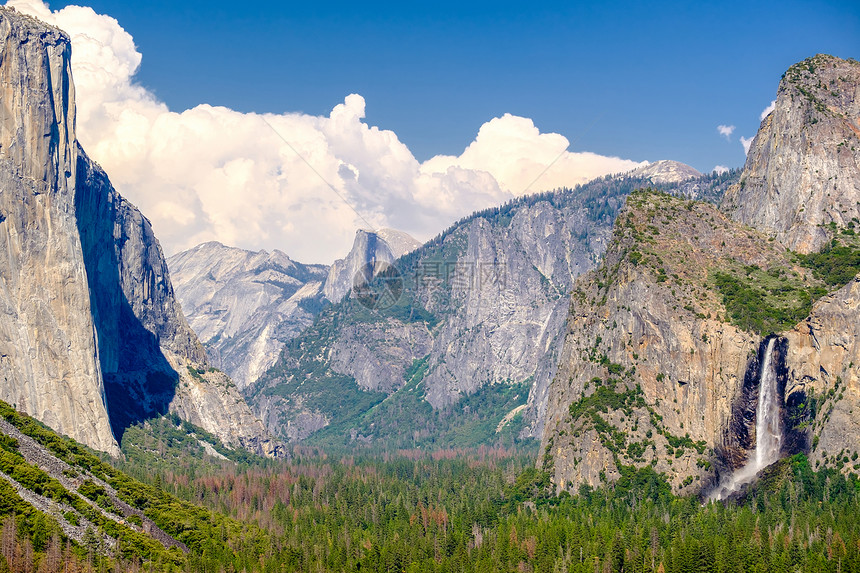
(246, 305)
(367, 353)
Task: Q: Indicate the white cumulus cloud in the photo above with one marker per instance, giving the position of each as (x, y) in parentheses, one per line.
(746, 142)
(292, 181)
(726, 131)
(720, 169)
(767, 110)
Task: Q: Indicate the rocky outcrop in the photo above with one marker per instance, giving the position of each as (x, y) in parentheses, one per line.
(651, 365)
(370, 253)
(93, 338)
(375, 355)
(803, 166)
(245, 305)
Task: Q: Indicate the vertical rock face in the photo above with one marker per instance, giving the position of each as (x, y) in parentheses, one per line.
(48, 358)
(803, 166)
(92, 336)
(245, 305)
(824, 362)
(506, 316)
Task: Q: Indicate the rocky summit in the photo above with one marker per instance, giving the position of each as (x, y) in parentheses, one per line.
(371, 251)
(803, 166)
(666, 171)
(92, 338)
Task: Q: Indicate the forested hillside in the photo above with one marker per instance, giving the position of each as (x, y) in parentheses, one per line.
(454, 510)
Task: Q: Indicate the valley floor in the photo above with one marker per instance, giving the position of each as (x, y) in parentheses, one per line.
(491, 510)
(486, 509)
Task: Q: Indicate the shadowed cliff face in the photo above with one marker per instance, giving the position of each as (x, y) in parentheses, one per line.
(89, 325)
(131, 302)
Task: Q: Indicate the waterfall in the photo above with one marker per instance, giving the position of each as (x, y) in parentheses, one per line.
(768, 434)
(768, 430)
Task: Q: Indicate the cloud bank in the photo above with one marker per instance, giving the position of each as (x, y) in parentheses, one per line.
(295, 182)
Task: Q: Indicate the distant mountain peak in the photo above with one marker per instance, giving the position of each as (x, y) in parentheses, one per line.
(666, 171)
(244, 304)
(379, 246)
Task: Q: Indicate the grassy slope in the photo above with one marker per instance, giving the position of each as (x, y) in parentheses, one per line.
(210, 538)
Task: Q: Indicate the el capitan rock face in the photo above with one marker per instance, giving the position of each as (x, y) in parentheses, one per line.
(92, 336)
(49, 363)
(803, 167)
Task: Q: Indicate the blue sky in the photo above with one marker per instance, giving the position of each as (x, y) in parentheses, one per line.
(634, 79)
(272, 125)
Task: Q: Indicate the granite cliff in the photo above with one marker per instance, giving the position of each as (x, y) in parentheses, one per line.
(654, 357)
(92, 336)
(802, 170)
(823, 362)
